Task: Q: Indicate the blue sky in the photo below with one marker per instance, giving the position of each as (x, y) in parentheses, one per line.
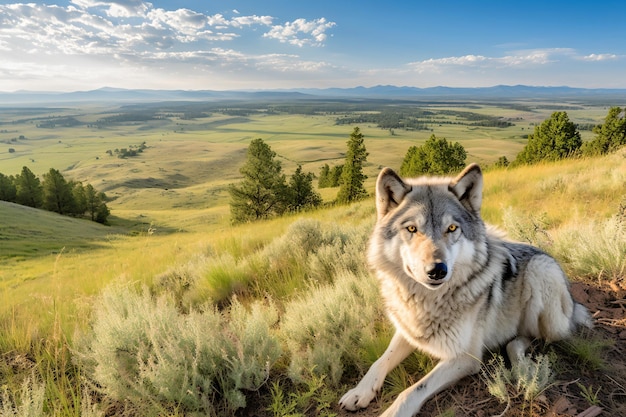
(253, 44)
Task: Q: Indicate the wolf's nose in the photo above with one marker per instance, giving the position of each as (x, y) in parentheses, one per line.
(438, 271)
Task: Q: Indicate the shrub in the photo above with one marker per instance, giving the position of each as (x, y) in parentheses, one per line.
(308, 252)
(531, 229)
(29, 402)
(326, 329)
(144, 351)
(526, 379)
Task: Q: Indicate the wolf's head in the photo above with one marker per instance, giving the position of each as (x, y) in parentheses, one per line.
(427, 226)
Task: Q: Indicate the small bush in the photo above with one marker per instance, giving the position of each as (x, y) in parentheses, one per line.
(532, 229)
(28, 403)
(326, 329)
(526, 379)
(308, 252)
(144, 351)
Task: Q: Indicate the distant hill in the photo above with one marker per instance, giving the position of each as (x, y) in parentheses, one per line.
(108, 95)
(28, 232)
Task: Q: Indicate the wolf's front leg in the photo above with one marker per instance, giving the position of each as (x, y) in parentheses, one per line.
(365, 391)
(446, 373)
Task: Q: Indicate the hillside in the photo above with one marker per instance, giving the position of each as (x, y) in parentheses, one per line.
(74, 291)
(26, 232)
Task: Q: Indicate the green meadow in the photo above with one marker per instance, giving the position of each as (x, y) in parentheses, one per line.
(170, 261)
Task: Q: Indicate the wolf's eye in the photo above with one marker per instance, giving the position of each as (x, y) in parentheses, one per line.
(452, 228)
(411, 229)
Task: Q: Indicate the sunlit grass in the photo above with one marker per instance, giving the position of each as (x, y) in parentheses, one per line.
(171, 237)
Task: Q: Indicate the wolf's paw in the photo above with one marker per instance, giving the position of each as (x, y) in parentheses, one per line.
(356, 398)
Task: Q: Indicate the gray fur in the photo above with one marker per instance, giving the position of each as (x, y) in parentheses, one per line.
(495, 291)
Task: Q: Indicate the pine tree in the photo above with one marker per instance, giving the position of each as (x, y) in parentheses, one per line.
(323, 180)
(556, 138)
(263, 191)
(302, 195)
(352, 176)
(330, 177)
(80, 198)
(57, 193)
(8, 192)
(102, 211)
(610, 136)
(95, 205)
(436, 157)
(28, 189)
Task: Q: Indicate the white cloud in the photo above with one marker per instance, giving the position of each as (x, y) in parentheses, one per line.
(517, 59)
(117, 8)
(97, 26)
(301, 32)
(600, 57)
(89, 39)
(251, 20)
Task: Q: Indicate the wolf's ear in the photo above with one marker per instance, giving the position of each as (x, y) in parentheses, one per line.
(468, 187)
(390, 191)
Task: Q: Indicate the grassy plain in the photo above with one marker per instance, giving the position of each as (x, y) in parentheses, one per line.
(190, 162)
(170, 215)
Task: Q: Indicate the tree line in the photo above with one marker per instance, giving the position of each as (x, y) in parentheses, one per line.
(555, 138)
(264, 191)
(54, 193)
(420, 119)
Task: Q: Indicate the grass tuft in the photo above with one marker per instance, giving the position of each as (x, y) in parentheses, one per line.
(526, 379)
(29, 402)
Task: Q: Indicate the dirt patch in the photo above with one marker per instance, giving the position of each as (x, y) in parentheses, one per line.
(578, 390)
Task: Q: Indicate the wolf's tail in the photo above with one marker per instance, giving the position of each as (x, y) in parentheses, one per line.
(581, 316)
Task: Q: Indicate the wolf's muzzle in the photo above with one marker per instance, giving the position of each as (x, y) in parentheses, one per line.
(438, 271)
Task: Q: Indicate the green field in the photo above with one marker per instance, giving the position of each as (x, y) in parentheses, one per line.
(171, 238)
(189, 162)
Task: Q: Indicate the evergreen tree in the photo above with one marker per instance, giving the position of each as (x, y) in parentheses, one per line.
(610, 135)
(556, 138)
(330, 177)
(262, 193)
(436, 157)
(335, 175)
(8, 192)
(352, 176)
(28, 189)
(57, 193)
(302, 195)
(92, 201)
(323, 180)
(102, 211)
(80, 198)
(502, 162)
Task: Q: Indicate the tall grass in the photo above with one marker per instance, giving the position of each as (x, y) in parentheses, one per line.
(586, 249)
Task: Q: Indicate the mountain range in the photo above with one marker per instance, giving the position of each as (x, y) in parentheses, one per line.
(108, 95)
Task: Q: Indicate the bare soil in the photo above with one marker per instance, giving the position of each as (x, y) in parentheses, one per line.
(566, 396)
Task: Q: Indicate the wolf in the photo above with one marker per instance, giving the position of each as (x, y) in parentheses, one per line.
(454, 287)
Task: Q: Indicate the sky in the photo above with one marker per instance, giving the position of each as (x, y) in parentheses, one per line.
(78, 45)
